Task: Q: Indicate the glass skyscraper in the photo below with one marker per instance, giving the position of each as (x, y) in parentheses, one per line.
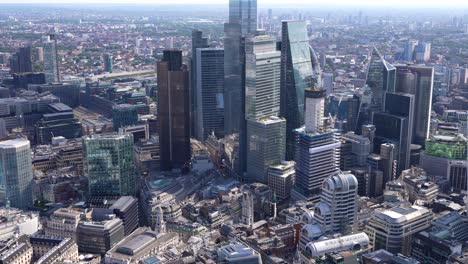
(244, 13)
(296, 75)
(198, 42)
(173, 111)
(418, 81)
(51, 68)
(209, 97)
(242, 21)
(16, 172)
(109, 164)
(380, 79)
(395, 126)
(265, 130)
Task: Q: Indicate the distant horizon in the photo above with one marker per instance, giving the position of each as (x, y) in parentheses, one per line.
(290, 4)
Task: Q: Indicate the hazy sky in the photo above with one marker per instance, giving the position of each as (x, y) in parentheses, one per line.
(286, 3)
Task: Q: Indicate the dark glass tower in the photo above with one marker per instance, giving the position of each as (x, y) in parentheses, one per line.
(296, 76)
(108, 65)
(418, 81)
(21, 61)
(395, 126)
(209, 114)
(242, 21)
(174, 111)
(198, 42)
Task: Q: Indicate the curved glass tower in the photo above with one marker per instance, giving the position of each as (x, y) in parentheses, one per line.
(296, 75)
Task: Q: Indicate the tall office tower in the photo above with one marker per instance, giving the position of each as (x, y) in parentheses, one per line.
(16, 172)
(208, 93)
(242, 21)
(38, 54)
(108, 63)
(337, 210)
(395, 126)
(423, 52)
(174, 111)
(353, 113)
(327, 82)
(408, 52)
(266, 132)
(109, 164)
(21, 61)
(317, 150)
(418, 81)
(297, 74)
(380, 79)
(124, 115)
(51, 67)
(198, 42)
(247, 216)
(244, 13)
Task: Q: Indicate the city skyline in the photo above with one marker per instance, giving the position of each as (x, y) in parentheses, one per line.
(267, 3)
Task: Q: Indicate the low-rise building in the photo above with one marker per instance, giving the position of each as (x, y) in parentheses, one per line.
(393, 229)
(63, 223)
(139, 245)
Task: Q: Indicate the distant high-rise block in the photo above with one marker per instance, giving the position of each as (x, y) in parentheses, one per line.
(21, 61)
(174, 111)
(380, 79)
(108, 63)
(423, 52)
(16, 173)
(209, 93)
(109, 164)
(296, 76)
(244, 13)
(409, 51)
(51, 67)
(418, 81)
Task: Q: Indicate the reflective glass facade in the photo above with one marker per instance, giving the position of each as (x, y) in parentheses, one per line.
(242, 21)
(16, 172)
(51, 68)
(418, 81)
(395, 126)
(209, 93)
(109, 164)
(380, 79)
(296, 76)
(266, 146)
(244, 13)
